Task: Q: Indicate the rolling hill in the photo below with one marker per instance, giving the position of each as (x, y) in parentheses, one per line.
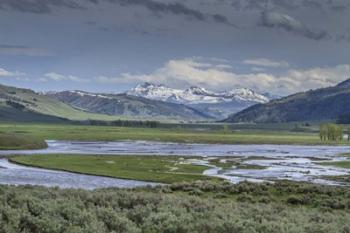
(128, 106)
(26, 105)
(314, 105)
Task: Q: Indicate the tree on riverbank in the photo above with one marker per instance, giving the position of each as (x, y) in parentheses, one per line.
(331, 132)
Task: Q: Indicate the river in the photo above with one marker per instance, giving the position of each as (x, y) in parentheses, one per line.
(292, 162)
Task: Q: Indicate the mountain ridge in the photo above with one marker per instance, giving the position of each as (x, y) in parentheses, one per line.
(194, 94)
(131, 106)
(322, 104)
(216, 104)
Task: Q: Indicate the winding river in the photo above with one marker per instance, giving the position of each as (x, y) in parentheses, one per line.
(292, 162)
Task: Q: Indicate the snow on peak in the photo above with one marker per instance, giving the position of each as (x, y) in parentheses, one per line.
(84, 93)
(198, 91)
(195, 95)
(246, 94)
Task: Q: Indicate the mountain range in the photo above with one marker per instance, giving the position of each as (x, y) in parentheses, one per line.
(133, 107)
(218, 105)
(18, 104)
(323, 104)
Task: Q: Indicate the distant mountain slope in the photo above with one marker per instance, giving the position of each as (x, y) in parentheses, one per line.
(8, 113)
(321, 104)
(26, 105)
(218, 105)
(131, 106)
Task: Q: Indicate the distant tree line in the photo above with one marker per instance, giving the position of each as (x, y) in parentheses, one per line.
(125, 123)
(331, 132)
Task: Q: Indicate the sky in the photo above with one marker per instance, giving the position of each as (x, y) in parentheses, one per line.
(275, 46)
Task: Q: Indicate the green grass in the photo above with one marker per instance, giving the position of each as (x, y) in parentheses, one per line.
(341, 164)
(109, 133)
(15, 142)
(229, 162)
(163, 169)
(251, 166)
(343, 178)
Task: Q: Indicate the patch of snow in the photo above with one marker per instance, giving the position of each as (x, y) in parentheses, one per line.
(195, 95)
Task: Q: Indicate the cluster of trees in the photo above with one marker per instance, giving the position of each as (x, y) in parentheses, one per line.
(179, 208)
(331, 132)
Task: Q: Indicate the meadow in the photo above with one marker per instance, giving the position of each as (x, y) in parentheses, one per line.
(170, 134)
(13, 141)
(160, 169)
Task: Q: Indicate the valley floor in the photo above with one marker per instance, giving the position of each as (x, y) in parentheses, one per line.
(198, 203)
(41, 132)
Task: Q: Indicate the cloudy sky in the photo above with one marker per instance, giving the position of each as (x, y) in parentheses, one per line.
(277, 46)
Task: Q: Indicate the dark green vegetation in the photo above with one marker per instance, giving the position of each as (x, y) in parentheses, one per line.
(344, 178)
(315, 105)
(109, 133)
(331, 132)
(198, 207)
(130, 106)
(15, 142)
(163, 169)
(342, 164)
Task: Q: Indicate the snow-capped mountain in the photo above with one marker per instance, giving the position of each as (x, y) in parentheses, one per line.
(216, 104)
(132, 107)
(196, 95)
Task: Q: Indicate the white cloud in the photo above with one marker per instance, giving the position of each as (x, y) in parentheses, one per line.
(6, 73)
(264, 62)
(186, 72)
(59, 77)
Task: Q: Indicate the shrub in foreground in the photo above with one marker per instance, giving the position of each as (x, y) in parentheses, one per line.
(198, 207)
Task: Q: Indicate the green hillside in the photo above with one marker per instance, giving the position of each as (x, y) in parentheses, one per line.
(325, 104)
(19, 104)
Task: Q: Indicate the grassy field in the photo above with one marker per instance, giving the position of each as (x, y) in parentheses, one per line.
(341, 164)
(229, 162)
(200, 207)
(163, 169)
(16, 142)
(109, 133)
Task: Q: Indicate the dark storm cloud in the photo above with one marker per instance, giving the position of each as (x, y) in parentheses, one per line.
(175, 8)
(288, 23)
(37, 6)
(259, 5)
